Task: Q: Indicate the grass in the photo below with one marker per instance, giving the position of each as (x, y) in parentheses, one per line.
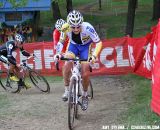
(139, 112)
(52, 79)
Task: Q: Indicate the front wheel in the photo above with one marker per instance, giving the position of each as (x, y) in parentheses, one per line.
(39, 81)
(72, 104)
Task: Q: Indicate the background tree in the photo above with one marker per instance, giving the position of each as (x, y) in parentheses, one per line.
(16, 3)
(130, 17)
(156, 9)
(69, 6)
(100, 5)
(56, 10)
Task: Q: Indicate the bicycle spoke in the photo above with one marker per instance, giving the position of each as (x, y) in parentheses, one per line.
(71, 105)
(39, 81)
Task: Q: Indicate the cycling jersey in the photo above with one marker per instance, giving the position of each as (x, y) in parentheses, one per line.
(87, 34)
(7, 49)
(80, 43)
(56, 37)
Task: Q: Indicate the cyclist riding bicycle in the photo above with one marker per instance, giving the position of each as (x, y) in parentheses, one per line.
(56, 35)
(6, 52)
(81, 35)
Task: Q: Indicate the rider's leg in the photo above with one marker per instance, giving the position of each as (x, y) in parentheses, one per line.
(66, 75)
(71, 52)
(85, 51)
(15, 71)
(85, 77)
(85, 84)
(18, 72)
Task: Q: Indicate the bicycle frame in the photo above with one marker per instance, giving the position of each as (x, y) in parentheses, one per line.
(75, 89)
(34, 79)
(76, 75)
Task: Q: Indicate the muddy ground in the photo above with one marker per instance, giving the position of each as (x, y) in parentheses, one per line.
(33, 110)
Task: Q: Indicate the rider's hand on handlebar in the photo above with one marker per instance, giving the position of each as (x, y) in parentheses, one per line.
(32, 54)
(57, 57)
(92, 59)
(18, 65)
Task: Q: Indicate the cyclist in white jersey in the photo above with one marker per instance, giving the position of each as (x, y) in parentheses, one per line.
(81, 35)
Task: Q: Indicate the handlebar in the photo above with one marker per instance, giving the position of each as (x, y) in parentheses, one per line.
(29, 58)
(24, 62)
(71, 59)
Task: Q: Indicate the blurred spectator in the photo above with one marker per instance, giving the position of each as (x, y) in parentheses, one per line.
(7, 33)
(10, 34)
(29, 34)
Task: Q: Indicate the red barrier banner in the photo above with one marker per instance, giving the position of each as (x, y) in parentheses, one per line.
(141, 49)
(113, 59)
(155, 102)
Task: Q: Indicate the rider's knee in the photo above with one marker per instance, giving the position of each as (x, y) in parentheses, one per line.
(69, 55)
(85, 75)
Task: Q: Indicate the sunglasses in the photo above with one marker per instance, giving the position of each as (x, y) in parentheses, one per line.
(74, 27)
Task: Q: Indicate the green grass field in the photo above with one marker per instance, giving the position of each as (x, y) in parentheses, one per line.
(139, 112)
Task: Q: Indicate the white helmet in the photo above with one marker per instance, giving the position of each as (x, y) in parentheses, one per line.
(59, 24)
(75, 18)
(19, 38)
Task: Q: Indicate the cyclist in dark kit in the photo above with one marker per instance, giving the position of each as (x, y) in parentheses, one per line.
(6, 56)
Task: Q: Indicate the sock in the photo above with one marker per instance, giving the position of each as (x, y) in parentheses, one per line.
(66, 88)
(85, 93)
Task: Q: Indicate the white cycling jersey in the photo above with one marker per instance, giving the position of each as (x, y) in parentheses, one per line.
(87, 34)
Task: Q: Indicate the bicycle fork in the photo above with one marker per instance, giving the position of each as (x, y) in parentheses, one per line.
(75, 89)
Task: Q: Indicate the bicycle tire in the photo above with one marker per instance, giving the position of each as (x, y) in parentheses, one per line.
(8, 84)
(39, 81)
(76, 105)
(71, 104)
(90, 90)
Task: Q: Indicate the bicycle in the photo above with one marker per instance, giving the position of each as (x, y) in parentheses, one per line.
(75, 90)
(12, 86)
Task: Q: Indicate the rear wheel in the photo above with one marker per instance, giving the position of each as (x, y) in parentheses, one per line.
(90, 90)
(8, 84)
(39, 81)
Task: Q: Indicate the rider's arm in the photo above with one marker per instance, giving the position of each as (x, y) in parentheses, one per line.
(56, 36)
(94, 36)
(11, 59)
(98, 49)
(65, 28)
(24, 52)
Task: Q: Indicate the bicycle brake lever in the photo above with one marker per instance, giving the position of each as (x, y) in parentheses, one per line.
(57, 65)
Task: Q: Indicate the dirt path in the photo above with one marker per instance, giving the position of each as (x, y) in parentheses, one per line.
(32, 110)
